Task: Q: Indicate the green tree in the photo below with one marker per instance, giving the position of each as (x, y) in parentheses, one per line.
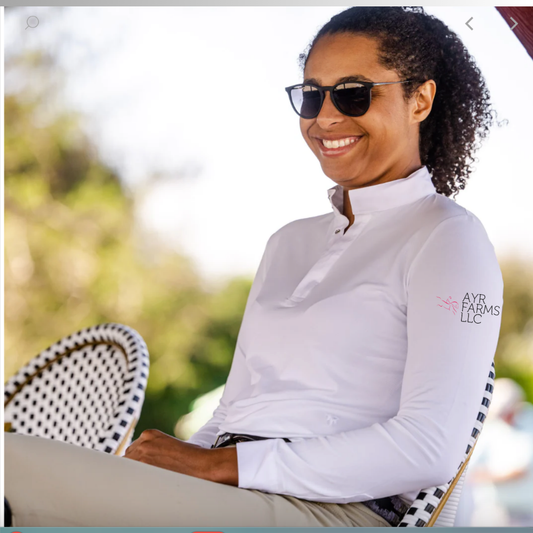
(76, 257)
(514, 356)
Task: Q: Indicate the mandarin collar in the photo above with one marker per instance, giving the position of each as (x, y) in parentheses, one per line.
(384, 196)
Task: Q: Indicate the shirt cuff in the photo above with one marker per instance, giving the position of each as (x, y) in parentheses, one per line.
(257, 465)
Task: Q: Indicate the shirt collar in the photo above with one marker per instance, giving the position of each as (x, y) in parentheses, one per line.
(384, 195)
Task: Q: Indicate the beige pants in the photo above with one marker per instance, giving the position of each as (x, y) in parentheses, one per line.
(54, 484)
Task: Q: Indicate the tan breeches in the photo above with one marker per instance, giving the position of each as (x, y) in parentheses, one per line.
(52, 483)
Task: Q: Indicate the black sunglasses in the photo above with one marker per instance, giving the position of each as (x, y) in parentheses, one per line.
(350, 98)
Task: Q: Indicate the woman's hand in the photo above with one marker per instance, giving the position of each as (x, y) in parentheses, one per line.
(156, 448)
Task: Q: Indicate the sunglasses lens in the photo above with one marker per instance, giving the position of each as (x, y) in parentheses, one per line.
(306, 101)
(353, 99)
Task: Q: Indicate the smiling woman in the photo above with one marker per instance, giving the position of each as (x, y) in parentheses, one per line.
(384, 124)
(352, 386)
(436, 114)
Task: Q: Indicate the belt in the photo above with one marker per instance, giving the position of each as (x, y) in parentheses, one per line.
(232, 438)
(391, 508)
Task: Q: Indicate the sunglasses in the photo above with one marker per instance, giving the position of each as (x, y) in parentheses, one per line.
(350, 98)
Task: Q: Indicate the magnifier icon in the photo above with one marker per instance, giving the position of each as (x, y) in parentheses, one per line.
(32, 22)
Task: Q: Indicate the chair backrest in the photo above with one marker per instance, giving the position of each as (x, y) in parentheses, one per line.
(86, 389)
(437, 506)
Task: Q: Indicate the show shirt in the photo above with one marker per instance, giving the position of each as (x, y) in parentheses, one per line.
(369, 349)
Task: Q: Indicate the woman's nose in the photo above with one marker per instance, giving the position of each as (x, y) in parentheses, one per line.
(328, 111)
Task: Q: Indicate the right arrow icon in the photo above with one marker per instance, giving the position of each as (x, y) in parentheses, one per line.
(515, 23)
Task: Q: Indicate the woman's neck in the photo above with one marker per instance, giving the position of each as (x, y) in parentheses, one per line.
(347, 206)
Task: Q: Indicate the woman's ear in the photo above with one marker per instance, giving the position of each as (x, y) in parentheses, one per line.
(423, 100)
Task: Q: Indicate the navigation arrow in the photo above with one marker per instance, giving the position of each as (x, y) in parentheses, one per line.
(468, 22)
(515, 23)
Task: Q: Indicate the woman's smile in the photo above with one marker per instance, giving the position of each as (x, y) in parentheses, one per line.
(331, 151)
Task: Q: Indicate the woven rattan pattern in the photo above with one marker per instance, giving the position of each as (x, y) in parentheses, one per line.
(429, 502)
(86, 389)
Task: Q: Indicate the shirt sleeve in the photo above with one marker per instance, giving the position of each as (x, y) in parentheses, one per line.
(238, 376)
(454, 299)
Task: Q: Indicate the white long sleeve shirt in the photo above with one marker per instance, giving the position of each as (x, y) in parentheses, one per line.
(369, 349)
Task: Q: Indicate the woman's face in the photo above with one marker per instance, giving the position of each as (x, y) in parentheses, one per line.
(388, 145)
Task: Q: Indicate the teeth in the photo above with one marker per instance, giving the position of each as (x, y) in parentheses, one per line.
(339, 143)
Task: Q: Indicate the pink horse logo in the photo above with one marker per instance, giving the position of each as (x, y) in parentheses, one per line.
(449, 304)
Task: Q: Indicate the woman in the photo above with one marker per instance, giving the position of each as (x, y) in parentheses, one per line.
(368, 333)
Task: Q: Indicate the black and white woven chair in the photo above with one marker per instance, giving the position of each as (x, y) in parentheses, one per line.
(437, 506)
(86, 389)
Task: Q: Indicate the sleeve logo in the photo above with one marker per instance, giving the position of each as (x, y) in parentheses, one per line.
(449, 304)
(473, 307)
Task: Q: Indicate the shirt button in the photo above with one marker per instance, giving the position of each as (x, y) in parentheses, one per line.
(337, 231)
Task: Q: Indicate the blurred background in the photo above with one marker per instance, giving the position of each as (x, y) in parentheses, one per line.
(151, 152)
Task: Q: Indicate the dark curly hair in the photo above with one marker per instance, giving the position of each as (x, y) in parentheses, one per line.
(419, 46)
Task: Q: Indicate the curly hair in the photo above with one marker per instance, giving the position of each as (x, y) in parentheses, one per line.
(420, 46)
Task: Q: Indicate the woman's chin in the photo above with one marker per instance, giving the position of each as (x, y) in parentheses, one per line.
(342, 176)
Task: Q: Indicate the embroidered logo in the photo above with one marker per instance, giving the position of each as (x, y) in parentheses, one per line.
(332, 419)
(473, 307)
(449, 304)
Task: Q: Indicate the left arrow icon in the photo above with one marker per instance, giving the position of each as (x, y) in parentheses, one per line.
(468, 22)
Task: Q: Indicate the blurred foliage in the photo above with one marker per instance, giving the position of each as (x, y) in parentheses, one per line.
(75, 257)
(514, 355)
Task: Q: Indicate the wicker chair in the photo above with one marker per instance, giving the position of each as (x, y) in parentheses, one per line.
(437, 506)
(86, 389)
